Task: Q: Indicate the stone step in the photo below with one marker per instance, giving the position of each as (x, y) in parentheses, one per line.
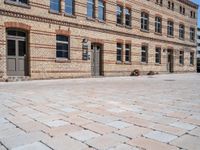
(17, 78)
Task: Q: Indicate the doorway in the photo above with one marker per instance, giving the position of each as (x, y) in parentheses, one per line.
(96, 59)
(170, 61)
(16, 53)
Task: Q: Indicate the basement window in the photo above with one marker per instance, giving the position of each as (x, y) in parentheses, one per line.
(22, 3)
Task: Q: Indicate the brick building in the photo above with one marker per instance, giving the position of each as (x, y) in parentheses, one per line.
(81, 38)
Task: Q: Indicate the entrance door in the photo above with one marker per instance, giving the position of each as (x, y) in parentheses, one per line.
(16, 53)
(170, 64)
(96, 51)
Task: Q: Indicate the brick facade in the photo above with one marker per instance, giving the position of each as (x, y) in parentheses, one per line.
(42, 27)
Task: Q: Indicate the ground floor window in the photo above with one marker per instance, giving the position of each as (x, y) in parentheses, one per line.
(119, 52)
(62, 46)
(181, 57)
(158, 55)
(191, 58)
(144, 54)
(128, 53)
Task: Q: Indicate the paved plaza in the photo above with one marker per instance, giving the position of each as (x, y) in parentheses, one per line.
(159, 112)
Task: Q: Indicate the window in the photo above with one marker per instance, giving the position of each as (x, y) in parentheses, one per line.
(55, 5)
(119, 52)
(198, 44)
(191, 58)
(18, 1)
(101, 10)
(90, 8)
(69, 7)
(128, 16)
(158, 25)
(144, 21)
(181, 10)
(192, 34)
(62, 46)
(199, 37)
(159, 2)
(181, 31)
(192, 14)
(181, 58)
(170, 28)
(144, 54)
(119, 14)
(128, 53)
(158, 55)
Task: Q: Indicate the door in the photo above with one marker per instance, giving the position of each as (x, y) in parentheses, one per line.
(170, 61)
(96, 50)
(16, 55)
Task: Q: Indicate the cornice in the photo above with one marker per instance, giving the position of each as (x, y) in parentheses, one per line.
(190, 3)
(86, 27)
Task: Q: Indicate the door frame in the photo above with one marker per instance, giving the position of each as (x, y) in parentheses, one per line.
(17, 39)
(101, 61)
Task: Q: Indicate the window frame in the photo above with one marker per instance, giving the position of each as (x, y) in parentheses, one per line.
(170, 28)
(91, 3)
(119, 52)
(158, 55)
(63, 42)
(128, 16)
(144, 54)
(144, 21)
(119, 10)
(71, 6)
(182, 31)
(128, 52)
(181, 57)
(158, 24)
(192, 34)
(54, 10)
(191, 58)
(102, 5)
(17, 3)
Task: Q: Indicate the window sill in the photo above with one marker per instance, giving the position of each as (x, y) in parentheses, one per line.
(68, 15)
(157, 33)
(119, 25)
(192, 65)
(17, 4)
(157, 64)
(170, 36)
(90, 19)
(193, 41)
(127, 63)
(143, 30)
(101, 21)
(128, 27)
(54, 12)
(182, 39)
(143, 63)
(62, 60)
(119, 62)
(181, 65)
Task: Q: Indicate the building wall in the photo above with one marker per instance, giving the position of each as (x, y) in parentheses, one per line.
(198, 43)
(44, 25)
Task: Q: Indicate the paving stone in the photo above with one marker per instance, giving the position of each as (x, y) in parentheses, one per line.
(133, 131)
(187, 142)
(160, 136)
(83, 135)
(99, 128)
(78, 120)
(183, 125)
(2, 147)
(69, 109)
(119, 124)
(3, 121)
(116, 110)
(23, 139)
(195, 132)
(33, 146)
(123, 147)
(106, 141)
(56, 123)
(149, 144)
(10, 132)
(63, 143)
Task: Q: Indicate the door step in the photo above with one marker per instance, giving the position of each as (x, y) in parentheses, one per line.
(17, 78)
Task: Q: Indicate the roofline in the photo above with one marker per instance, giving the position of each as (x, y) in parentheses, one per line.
(190, 3)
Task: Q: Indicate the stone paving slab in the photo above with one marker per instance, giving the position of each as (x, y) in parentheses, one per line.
(118, 113)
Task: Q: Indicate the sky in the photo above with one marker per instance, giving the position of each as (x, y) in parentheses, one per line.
(198, 2)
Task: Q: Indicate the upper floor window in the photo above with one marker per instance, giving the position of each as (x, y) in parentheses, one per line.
(128, 16)
(182, 10)
(62, 46)
(119, 14)
(144, 21)
(158, 25)
(144, 54)
(119, 52)
(128, 53)
(181, 31)
(170, 5)
(90, 8)
(170, 28)
(192, 34)
(69, 7)
(192, 14)
(55, 5)
(101, 10)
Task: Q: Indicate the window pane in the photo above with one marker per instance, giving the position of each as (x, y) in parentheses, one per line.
(62, 38)
(90, 8)
(22, 48)
(55, 5)
(69, 6)
(101, 9)
(11, 47)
